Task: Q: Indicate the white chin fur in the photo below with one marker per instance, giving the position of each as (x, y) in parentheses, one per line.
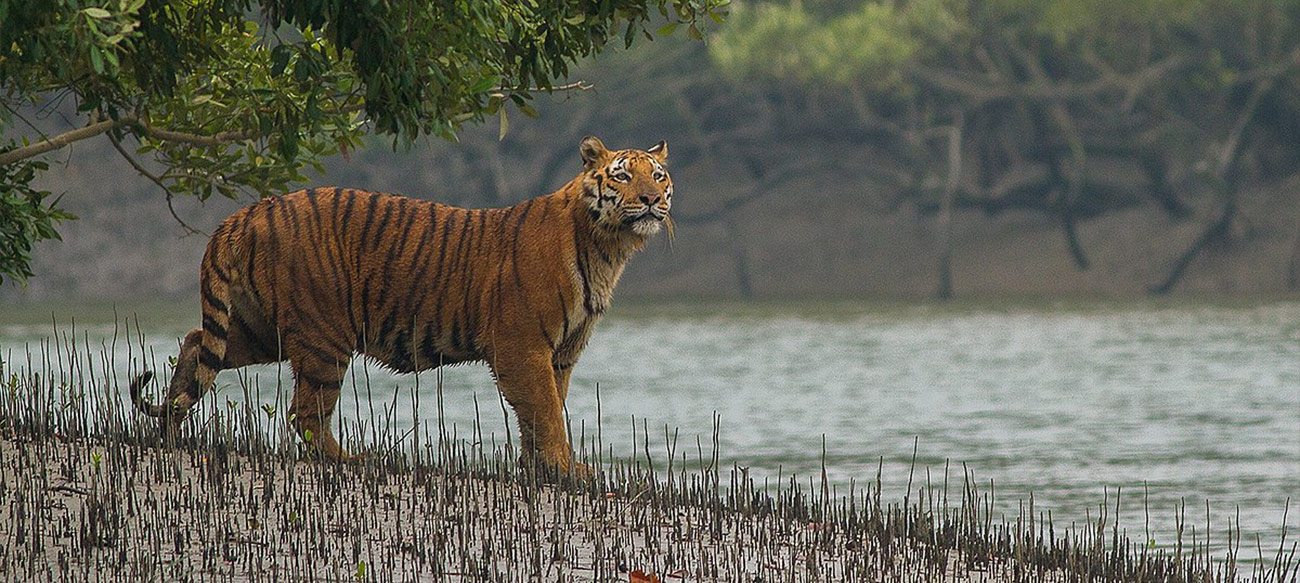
(646, 228)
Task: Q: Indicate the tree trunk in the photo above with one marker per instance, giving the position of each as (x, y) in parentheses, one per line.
(1293, 267)
(944, 291)
(1216, 231)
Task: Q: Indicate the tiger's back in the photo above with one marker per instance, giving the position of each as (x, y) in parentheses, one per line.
(409, 282)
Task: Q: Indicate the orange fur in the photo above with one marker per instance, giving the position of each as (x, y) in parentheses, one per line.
(316, 276)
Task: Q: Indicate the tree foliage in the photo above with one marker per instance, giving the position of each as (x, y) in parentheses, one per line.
(231, 96)
(1067, 107)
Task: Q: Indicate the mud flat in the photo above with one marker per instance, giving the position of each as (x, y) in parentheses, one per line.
(88, 496)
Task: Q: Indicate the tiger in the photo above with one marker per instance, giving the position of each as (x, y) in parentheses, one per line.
(322, 274)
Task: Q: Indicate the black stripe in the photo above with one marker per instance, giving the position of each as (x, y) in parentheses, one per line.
(333, 257)
(386, 329)
(213, 301)
(462, 260)
(216, 271)
(315, 210)
(259, 343)
(581, 263)
(370, 218)
(291, 211)
(527, 208)
(429, 346)
(476, 239)
(321, 355)
(402, 357)
(209, 359)
(440, 291)
(420, 258)
(250, 272)
(518, 235)
(347, 212)
(310, 309)
(564, 309)
(541, 322)
(455, 335)
(365, 309)
(320, 383)
(211, 326)
(338, 201)
(403, 220)
(382, 228)
(276, 259)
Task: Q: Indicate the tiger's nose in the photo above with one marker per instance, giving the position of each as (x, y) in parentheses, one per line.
(650, 199)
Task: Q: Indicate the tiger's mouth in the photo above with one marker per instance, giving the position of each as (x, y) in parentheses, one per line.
(646, 216)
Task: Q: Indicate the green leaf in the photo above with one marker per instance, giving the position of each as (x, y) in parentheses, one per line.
(280, 59)
(485, 84)
(93, 12)
(505, 125)
(667, 29)
(96, 60)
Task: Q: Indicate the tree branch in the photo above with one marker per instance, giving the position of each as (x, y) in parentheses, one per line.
(61, 140)
(99, 127)
(985, 90)
(143, 172)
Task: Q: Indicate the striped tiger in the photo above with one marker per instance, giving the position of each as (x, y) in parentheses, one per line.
(318, 275)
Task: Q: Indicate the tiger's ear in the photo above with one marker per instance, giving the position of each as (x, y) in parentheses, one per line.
(659, 151)
(593, 152)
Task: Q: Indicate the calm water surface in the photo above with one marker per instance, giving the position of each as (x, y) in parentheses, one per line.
(1170, 404)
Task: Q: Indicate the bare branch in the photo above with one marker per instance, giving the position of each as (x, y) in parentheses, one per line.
(143, 172)
(984, 90)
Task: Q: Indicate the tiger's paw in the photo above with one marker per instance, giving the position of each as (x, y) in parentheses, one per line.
(556, 469)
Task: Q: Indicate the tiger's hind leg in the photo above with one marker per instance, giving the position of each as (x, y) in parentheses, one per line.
(248, 341)
(318, 380)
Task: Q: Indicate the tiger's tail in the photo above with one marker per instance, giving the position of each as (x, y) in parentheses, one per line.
(141, 404)
(202, 351)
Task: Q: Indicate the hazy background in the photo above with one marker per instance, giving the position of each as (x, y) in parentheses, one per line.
(795, 186)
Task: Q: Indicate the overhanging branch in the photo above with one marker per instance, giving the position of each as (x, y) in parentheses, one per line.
(100, 127)
(61, 140)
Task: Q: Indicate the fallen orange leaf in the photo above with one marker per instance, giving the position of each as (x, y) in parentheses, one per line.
(639, 576)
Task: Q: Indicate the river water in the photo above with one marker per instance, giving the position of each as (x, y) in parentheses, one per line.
(1169, 405)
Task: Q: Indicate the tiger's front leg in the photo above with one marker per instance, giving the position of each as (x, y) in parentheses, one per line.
(528, 383)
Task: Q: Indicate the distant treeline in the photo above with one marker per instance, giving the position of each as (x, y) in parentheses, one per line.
(878, 135)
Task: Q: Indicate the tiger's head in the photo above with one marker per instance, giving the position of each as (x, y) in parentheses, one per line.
(627, 191)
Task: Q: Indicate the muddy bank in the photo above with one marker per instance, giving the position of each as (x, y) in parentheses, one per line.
(83, 507)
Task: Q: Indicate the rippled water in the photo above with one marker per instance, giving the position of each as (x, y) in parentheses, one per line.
(1172, 404)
